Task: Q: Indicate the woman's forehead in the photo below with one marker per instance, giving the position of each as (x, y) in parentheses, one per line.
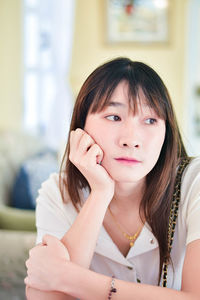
(121, 98)
(139, 107)
(136, 97)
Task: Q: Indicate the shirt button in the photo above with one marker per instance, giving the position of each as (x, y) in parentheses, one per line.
(151, 241)
(130, 268)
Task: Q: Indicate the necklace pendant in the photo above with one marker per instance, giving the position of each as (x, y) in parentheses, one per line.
(131, 244)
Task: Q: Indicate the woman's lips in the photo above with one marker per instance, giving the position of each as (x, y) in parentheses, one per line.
(127, 160)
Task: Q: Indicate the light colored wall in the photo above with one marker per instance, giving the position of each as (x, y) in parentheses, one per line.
(10, 64)
(90, 48)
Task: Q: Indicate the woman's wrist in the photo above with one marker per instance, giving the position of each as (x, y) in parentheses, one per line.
(86, 233)
(83, 283)
(102, 196)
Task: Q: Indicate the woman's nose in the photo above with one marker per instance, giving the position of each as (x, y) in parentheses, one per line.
(130, 137)
(124, 142)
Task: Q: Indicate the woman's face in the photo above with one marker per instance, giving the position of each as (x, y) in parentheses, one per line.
(131, 142)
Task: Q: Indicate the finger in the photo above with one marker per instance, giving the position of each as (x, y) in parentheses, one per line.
(100, 157)
(27, 288)
(80, 149)
(27, 263)
(49, 239)
(29, 285)
(31, 251)
(26, 281)
(94, 155)
(75, 137)
(85, 144)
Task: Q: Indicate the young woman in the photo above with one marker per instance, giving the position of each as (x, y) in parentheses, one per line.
(127, 202)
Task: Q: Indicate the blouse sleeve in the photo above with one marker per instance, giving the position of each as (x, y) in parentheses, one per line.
(191, 197)
(52, 215)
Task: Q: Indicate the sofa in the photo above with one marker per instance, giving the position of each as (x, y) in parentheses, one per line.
(17, 224)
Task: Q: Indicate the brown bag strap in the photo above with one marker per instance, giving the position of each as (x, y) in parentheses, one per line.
(174, 213)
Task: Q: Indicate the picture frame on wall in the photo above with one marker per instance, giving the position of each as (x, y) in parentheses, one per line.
(138, 21)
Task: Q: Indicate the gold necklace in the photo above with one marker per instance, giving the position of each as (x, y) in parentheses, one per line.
(131, 238)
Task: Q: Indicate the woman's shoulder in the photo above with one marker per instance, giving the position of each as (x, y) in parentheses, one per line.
(195, 162)
(50, 194)
(190, 200)
(50, 191)
(191, 177)
(50, 201)
(192, 170)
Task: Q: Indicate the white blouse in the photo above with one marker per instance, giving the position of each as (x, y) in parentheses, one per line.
(142, 261)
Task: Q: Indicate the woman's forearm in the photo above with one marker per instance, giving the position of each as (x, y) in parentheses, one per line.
(33, 294)
(90, 285)
(80, 242)
(81, 238)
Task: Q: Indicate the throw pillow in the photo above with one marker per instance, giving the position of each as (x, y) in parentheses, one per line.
(32, 173)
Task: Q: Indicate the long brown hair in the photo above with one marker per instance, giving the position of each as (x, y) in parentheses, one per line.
(94, 96)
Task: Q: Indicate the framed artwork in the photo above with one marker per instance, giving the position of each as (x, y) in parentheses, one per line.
(138, 21)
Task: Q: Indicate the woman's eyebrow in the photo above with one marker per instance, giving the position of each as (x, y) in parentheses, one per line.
(116, 104)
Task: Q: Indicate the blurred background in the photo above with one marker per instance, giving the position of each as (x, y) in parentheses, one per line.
(47, 49)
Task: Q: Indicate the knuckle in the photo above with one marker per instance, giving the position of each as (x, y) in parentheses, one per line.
(71, 133)
(27, 263)
(96, 147)
(78, 130)
(90, 139)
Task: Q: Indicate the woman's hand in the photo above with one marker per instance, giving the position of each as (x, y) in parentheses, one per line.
(86, 155)
(46, 263)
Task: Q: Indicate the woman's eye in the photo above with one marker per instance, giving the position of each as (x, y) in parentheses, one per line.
(113, 118)
(150, 121)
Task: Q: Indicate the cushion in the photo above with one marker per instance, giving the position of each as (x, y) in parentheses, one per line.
(15, 147)
(32, 173)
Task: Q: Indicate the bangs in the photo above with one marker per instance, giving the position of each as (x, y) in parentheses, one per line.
(137, 92)
(143, 83)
